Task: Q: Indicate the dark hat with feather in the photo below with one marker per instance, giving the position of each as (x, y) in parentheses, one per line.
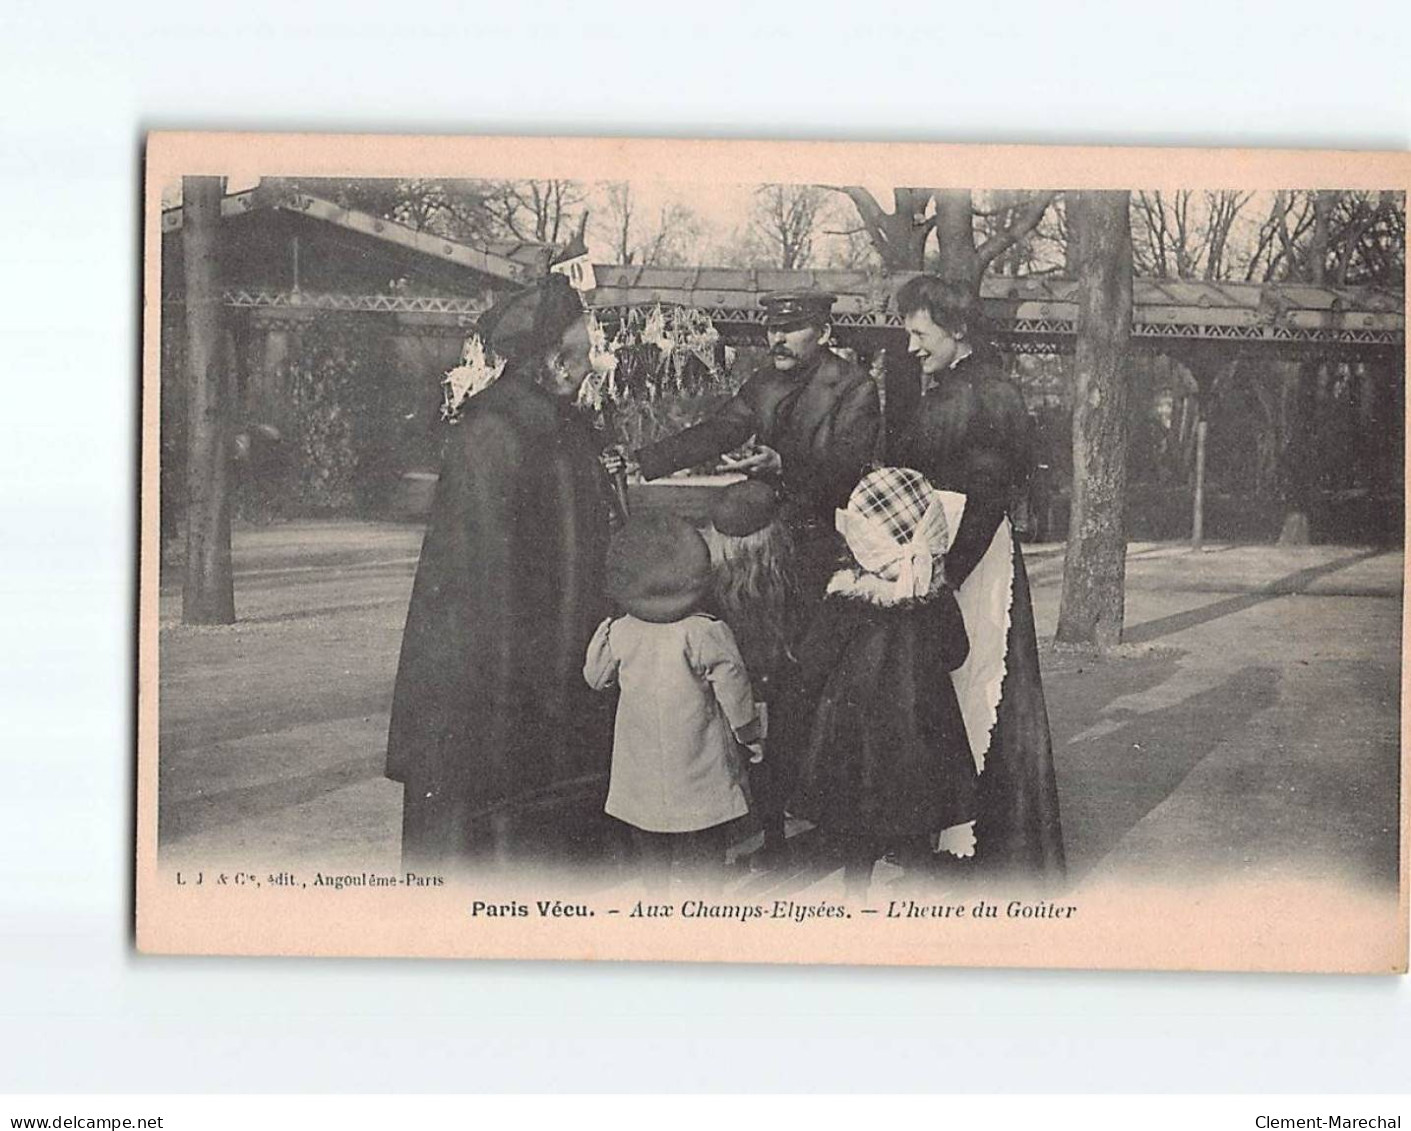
(531, 320)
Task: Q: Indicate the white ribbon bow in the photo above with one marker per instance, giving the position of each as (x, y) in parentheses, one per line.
(911, 565)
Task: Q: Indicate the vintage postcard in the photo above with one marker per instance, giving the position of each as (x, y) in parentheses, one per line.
(773, 552)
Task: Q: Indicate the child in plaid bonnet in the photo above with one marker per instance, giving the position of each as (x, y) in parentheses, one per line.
(882, 763)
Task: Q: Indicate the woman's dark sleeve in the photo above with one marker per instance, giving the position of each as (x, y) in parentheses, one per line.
(456, 669)
(996, 463)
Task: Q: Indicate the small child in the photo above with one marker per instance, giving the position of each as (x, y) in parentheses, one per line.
(882, 758)
(754, 592)
(685, 707)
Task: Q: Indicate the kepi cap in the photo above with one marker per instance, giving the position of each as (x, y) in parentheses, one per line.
(783, 309)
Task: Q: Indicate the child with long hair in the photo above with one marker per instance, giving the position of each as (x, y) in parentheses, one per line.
(754, 591)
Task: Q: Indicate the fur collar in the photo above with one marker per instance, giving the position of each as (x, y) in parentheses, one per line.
(855, 585)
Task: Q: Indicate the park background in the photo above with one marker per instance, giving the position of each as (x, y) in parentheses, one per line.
(1152, 77)
(1276, 318)
(1202, 744)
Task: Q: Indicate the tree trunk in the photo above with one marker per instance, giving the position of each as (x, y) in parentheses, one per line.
(1324, 201)
(955, 236)
(1300, 476)
(1071, 267)
(1091, 607)
(208, 594)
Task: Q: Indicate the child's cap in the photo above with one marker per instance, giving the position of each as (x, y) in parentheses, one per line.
(744, 508)
(658, 568)
(896, 522)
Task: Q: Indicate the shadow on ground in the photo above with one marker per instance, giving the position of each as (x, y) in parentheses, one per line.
(1295, 582)
(1109, 783)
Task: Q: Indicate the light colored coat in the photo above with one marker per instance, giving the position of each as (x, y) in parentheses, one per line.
(685, 692)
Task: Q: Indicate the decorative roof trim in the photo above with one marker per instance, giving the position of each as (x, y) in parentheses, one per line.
(1047, 306)
(484, 260)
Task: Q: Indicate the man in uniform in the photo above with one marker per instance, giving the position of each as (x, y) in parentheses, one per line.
(814, 416)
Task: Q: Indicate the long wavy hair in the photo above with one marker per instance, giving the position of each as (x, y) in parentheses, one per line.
(752, 585)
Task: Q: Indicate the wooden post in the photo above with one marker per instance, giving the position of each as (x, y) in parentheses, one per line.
(1300, 455)
(208, 592)
(1198, 515)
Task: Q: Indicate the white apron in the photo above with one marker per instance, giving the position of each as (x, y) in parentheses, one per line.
(985, 600)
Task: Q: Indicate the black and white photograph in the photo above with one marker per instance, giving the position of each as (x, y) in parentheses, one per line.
(733, 551)
(845, 562)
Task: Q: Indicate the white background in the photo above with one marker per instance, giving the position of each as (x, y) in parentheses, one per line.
(78, 1010)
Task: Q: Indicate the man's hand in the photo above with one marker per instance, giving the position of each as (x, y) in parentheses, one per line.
(762, 461)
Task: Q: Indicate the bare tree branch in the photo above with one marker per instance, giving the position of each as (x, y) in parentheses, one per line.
(1024, 222)
(786, 217)
(874, 220)
(900, 236)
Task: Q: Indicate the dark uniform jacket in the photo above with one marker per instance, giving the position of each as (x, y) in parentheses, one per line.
(823, 420)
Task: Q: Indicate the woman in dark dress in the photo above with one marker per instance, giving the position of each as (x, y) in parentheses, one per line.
(970, 433)
(503, 750)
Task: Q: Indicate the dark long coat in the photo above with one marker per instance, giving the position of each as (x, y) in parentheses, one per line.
(490, 704)
(872, 725)
(970, 433)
